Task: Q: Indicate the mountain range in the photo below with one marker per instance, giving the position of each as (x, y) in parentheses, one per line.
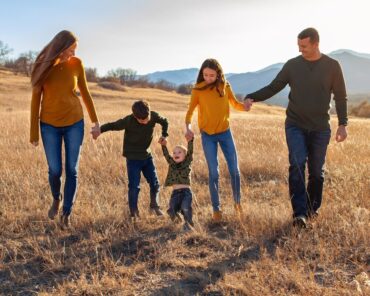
(355, 66)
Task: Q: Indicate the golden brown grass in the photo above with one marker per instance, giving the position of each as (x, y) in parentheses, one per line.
(105, 254)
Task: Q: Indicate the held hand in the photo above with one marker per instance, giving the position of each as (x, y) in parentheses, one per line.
(341, 133)
(189, 137)
(95, 131)
(248, 104)
(162, 141)
(35, 143)
(189, 134)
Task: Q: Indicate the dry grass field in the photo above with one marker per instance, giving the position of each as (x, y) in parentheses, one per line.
(105, 254)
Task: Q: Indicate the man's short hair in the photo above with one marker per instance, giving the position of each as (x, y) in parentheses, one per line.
(141, 109)
(311, 33)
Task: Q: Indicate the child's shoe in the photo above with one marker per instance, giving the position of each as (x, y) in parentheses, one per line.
(175, 217)
(217, 216)
(187, 227)
(157, 211)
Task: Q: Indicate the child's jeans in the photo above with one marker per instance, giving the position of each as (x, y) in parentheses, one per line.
(134, 169)
(181, 201)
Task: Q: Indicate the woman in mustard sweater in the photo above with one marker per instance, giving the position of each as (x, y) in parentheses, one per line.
(56, 108)
(212, 95)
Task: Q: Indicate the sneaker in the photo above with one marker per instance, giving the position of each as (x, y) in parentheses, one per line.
(157, 211)
(54, 209)
(217, 216)
(238, 209)
(64, 221)
(300, 221)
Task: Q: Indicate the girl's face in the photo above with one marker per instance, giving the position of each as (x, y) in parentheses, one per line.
(209, 75)
(178, 155)
(69, 52)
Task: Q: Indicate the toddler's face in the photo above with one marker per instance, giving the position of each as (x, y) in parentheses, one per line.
(178, 155)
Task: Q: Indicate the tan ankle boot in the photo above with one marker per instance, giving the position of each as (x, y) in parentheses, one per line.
(217, 216)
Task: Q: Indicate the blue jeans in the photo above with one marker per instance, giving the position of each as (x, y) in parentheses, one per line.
(134, 169)
(306, 147)
(52, 138)
(181, 200)
(210, 145)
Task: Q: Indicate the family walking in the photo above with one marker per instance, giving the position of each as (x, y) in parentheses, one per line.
(56, 111)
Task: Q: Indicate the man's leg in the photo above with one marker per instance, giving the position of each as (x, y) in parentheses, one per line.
(317, 146)
(297, 146)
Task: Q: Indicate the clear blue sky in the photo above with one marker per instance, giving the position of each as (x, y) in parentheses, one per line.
(148, 36)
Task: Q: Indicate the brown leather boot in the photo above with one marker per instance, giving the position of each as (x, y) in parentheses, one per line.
(54, 209)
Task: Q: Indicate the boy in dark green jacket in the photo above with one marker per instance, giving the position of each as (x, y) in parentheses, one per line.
(139, 128)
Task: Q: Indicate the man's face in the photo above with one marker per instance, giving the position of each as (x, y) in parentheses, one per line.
(143, 121)
(178, 155)
(307, 48)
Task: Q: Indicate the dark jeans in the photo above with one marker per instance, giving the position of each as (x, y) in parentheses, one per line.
(134, 169)
(181, 201)
(52, 138)
(306, 147)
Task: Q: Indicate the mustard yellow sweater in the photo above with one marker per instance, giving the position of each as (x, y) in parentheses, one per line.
(60, 105)
(213, 110)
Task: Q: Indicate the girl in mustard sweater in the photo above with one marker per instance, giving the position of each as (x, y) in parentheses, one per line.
(57, 110)
(213, 95)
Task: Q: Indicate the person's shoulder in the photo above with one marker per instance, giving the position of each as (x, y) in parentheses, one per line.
(294, 60)
(198, 86)
(75, 60)
(329, 59)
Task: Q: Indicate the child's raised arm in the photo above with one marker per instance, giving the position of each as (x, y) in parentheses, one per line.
(166, 155)
(189, 155)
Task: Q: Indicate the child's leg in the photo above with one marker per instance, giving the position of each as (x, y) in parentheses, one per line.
(150, 175)
(174, 205)
(186, 208)
(133, 173)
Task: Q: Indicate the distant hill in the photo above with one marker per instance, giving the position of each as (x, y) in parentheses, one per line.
(356, 69)
(174, 76)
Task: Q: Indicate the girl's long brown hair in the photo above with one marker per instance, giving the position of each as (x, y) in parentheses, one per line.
(220, 80)
(48, 56)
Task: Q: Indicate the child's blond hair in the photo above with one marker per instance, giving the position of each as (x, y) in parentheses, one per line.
(181, 147)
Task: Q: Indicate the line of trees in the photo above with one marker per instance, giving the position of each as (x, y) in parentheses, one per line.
(115, 78)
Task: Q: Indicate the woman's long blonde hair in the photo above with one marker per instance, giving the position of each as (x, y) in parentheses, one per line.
(48, 56)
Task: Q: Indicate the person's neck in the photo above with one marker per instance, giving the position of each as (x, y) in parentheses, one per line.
(316, 56)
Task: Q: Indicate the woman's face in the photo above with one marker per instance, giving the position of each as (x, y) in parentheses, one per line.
(209, 75)
(69, 52)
